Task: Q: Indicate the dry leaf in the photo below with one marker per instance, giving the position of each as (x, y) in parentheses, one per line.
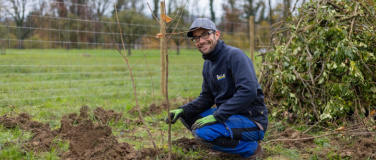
(159, 35)
(340, 128)
(372, 112)
(166, 18)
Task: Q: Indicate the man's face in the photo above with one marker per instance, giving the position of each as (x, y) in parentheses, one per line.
(206, 46)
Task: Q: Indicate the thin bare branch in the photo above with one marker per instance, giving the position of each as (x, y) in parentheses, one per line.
(154, 15)
(134, 85)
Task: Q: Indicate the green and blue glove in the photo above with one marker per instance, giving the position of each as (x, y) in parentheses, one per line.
(175, 115)
(205, 121)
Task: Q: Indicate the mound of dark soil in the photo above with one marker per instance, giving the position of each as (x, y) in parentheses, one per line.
(359, 147)
(157, 109)
(107, 115)
(87, 140)
(362, 148)
(291, 133)
(43, 136)
(188, 144)
(91, 141)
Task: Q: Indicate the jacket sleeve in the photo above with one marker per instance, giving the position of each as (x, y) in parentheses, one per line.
(202, 102)
(246, 84)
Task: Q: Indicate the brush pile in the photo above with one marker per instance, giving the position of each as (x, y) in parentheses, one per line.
(322, 64)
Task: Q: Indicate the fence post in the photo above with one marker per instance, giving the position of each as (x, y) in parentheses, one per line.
(163, 50)
(251, 36)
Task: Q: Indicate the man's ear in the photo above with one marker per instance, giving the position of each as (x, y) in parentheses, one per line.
(217, 34)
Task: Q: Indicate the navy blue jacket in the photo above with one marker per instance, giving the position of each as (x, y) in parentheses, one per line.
(230, 82)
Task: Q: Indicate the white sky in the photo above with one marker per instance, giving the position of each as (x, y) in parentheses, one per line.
(195, 7)
(202, 8)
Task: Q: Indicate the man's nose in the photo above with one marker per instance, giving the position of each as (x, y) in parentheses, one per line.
(201, 40)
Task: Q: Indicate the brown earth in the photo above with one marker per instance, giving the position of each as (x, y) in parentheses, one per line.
(291, 133)
(106, 116)
(356, 147)
(43, 136)
(87, 140)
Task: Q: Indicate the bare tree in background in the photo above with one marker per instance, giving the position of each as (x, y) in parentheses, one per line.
(179, 11)
(156, 8)
(257, 10)
(232, 15)
(212, 13)
(16, 9)
(62, 10)
(100, 7)
(286, 4)
(135, 5)
(119, 5)
(270, 12)
(78, 8)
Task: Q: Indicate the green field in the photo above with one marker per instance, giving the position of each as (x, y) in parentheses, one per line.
(93, 77)
(56, 77)
(48, 84)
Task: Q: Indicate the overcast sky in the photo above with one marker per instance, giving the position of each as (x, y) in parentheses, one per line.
(202, 8)
(195, 7)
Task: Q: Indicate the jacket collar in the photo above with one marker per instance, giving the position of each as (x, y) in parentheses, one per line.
(215, 53)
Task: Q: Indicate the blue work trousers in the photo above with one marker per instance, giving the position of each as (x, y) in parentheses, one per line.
(237, 135)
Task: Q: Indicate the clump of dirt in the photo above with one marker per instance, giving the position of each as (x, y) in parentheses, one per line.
(107, 115)
(91, 141)
(363, 147)
(87, 140)
(188, 144)
(43, 136)
(157, 109)
(291, 133)
(22, 120)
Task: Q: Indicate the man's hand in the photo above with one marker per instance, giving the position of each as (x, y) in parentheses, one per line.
(205, 121)
(174, 114)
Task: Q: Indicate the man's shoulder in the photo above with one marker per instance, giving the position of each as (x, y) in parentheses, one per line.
(234, 53)
(231, 50)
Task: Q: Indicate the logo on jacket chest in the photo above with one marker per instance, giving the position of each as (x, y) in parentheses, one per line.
(221, 76)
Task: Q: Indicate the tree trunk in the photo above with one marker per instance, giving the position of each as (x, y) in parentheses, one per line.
(270, 12)
(212, 13)
(155, 11)
(178, 49)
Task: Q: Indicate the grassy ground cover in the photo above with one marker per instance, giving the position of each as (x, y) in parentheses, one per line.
(48, 84)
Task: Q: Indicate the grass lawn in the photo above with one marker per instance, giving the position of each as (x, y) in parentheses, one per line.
(49, 84)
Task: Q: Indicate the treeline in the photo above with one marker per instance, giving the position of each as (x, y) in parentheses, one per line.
(89, 24)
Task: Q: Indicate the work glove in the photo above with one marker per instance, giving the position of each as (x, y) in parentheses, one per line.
(205, 121)
(175, 115)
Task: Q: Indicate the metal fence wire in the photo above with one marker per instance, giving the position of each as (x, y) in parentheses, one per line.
(49, 53)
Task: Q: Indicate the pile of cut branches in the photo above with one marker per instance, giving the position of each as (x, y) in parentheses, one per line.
(322, 64)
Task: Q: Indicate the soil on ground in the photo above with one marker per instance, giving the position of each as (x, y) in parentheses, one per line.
(106, 116)
(94, 140)
(87, 140)
(353, 147)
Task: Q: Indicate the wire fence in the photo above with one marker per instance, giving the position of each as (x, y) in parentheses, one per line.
(51, 57)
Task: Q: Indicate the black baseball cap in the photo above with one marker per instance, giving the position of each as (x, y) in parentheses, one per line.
(201, 23)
